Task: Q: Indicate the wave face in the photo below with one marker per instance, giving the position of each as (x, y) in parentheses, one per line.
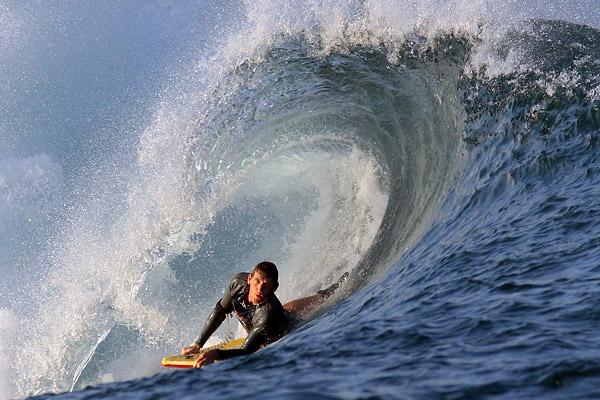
(448, 165)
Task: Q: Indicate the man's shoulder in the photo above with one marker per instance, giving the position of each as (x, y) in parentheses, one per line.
(238, 282)
(243, 276)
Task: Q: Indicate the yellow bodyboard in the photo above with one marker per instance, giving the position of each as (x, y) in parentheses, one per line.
(189, 360)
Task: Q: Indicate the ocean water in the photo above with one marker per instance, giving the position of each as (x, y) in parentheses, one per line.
(446, 154)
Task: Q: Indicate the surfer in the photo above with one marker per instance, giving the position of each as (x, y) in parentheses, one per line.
(251, 298)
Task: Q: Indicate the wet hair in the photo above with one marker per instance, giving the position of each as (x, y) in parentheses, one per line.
(267, 268)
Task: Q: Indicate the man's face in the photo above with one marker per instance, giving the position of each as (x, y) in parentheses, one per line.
(261, 287)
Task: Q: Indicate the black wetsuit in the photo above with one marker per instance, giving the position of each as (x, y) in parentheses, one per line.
(265, 323)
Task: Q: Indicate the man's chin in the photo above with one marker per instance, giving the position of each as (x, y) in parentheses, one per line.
(256, 300)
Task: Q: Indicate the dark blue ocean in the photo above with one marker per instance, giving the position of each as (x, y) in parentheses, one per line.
(446, 154)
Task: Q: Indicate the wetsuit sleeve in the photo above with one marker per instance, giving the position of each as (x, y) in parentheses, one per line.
(216, 318)
(254, 341)
(257, 337)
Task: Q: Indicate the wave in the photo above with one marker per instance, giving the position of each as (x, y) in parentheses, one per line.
(274, 169)
(328, 143)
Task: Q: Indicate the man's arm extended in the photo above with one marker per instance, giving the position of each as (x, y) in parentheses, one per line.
(222, 308)
(210, 326)
(257, 337)
(215, 320)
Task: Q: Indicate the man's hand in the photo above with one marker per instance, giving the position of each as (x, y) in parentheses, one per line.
(190, 349)
(207, 357)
